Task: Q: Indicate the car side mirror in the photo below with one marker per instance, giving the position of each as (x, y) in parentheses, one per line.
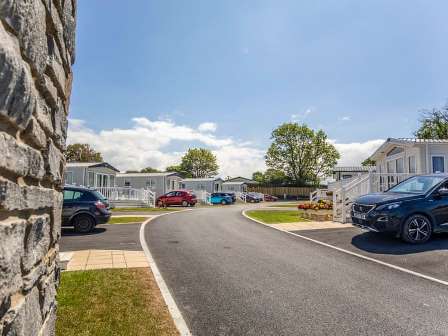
(442, 192)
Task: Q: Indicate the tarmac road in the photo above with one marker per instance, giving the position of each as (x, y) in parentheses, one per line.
(231, 276)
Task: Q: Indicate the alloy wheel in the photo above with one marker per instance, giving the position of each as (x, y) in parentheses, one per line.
(419, 229)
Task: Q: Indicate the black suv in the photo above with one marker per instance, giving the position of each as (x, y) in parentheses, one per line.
(413, 209)
(84, 208)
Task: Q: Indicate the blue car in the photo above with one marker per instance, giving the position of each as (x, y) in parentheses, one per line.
(218, 198)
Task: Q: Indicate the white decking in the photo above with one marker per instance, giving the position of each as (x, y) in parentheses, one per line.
(128, 194)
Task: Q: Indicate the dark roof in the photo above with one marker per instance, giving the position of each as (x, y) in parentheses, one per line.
(92, 165)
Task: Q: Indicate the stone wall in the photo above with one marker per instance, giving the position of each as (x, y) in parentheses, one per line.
(37, 40)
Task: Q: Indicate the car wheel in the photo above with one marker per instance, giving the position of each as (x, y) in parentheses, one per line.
(83, 223)
(223, 202)
(160, 204)
(417, 229)
(184, 203)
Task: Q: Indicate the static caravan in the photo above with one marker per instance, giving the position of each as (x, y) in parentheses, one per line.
(160, 183)
(90, 174)
(209, 185)
(236, 187)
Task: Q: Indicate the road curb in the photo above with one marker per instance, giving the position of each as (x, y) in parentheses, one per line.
(175, 313)
(397, 268)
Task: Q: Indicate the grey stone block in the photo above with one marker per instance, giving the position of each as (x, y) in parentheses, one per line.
(20, 159)
(27, 319)
(16, 85)
(37, 242)
(26, 197)
(35, 135)
(12, 231)
(54, 162)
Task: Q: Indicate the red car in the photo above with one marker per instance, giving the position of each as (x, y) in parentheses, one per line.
(270, 198)
(177, 197)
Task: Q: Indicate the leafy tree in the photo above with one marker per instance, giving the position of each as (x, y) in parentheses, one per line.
(303, 155)
(270, 176)
(199, 162)
(149, 170)
(82, 153)
(177, 169)
(131, 171)
(433, 124)
(258, 176)
(368, 162)
(274, 176)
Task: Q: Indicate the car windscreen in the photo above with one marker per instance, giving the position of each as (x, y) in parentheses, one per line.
(417, 185)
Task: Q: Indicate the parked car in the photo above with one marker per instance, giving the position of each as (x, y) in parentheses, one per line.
(413, 209)
(84, 208)
(177, 197)
(229, 194)
(270, 198)
(220, 198)
(253, 198)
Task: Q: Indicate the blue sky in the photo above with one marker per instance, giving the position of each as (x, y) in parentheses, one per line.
(360, 70)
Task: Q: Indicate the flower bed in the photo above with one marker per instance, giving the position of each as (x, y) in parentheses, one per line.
(316, 211)
(321, 205)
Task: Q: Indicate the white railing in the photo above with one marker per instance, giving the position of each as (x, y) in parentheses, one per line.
(364, 184)
(128, 194)
(319, 194)
(203, 196)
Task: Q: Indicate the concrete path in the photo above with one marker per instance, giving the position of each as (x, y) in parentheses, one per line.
(98, 259)
(108, 246)
(231, 276)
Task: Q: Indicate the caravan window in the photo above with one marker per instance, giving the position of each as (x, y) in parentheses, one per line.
(438, 164)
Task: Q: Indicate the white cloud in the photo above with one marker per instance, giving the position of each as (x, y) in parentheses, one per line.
(345, 118)
(145, 144)
(300, 117)
(207, 127)
(352, 154)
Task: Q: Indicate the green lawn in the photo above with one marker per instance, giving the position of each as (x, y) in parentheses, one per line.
(123, 302)
(276, 216)
(124, 220)
(145, 209)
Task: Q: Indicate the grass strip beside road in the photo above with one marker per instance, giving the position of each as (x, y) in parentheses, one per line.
(136, 209)
(126, 220)
(276, 216)
(112, 302)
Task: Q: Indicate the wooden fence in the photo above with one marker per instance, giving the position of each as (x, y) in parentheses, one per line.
(283, 192)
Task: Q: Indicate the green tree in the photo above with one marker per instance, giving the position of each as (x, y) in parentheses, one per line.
(149, 170)
(433, 124)
(82, 153)
(274, 176)
(303, 155)
(199, 162)
(368, 162)
(258, 176)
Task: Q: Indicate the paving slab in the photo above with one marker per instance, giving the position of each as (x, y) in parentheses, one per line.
(101, 259)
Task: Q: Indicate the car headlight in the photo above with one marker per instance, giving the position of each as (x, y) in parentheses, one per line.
(389, 206)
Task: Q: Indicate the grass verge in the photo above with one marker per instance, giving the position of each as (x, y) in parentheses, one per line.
(145, 209)
(112, 302)
(276, 216)
(125, 220)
